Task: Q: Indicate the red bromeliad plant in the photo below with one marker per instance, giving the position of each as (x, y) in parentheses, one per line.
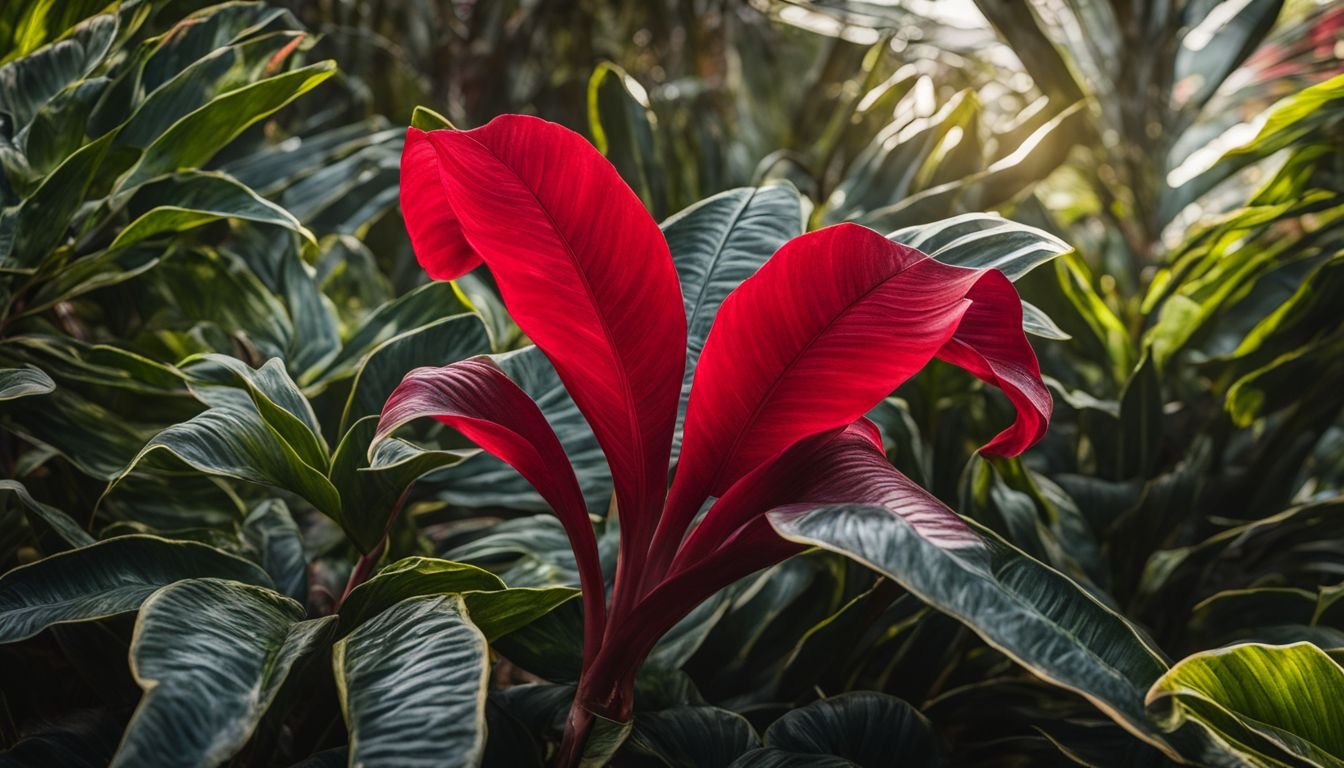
(798, 353)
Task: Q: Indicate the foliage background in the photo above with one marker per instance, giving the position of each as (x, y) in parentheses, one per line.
(1190, 481)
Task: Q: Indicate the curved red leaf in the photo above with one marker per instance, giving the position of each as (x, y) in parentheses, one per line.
(477, 399)
(436, 234)
(843, 466)
(834, 322)
(830, 325)
(990, 344)
(583, 269)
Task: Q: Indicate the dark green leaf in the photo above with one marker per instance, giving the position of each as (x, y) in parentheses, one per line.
(211, 656)
(412, 682)
(24, 382)
(106, 578)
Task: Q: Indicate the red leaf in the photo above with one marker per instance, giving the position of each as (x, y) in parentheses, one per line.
(989, 343)
(830, 325)
(735, 538)
(583, 269)
(436, 234)
(834, 322)
(476, 398)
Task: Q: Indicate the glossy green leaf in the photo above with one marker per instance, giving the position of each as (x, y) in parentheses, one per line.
(371, 491)
(194, 139)
(984, 241)
(623, 130)
(69, 532)
(495, 609)
(275, 537)
(191, 199)
(416, 309)
(232, 439)
(105, 579)
(28, 82)
(211, 656)
(412, 682)
(693, 737)
(274, 394)
(862, 728)
(1269, 705)
(716, 244)
(1027, 611)
(427, 119)
(24, 382)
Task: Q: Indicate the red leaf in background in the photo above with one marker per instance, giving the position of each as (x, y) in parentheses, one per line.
(583, 269)
(477, 399)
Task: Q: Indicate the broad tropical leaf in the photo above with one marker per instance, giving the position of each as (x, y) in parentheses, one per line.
(211, 656)
(412, 682)
(1269, 705)
(105, 579)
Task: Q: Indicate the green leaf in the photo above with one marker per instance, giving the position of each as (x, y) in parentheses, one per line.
(902, 159)
(427, 119)
(416, 309)
(276, 397)
(43, 219)
(604, 739)
(275, 537)
(231, 439)
(71, 535)
(1032, 614)
(716, 244)
(1269, 705)
(622, 125)
(862, 728)
(495, 609)
(693, 737)
(105, 579)
(24, 382)
(197, 81)
(191, 199)
(1141, 418)
(27, 83)
(984, 241)
(412, 683)
(437, 343)
(370, 491)
(1292, 118)
(235, 641)
(194, 139)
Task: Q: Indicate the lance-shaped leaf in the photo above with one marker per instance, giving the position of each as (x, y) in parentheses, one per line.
(863, 315)
(211, 656)
(24, 382)
(495, 609)
(107, 578)
(68, 533)
(371, 487)
(716, 244)
(581, 266)
(477, 399)
(412, 683)
(1274, 705)
(1032, 614)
